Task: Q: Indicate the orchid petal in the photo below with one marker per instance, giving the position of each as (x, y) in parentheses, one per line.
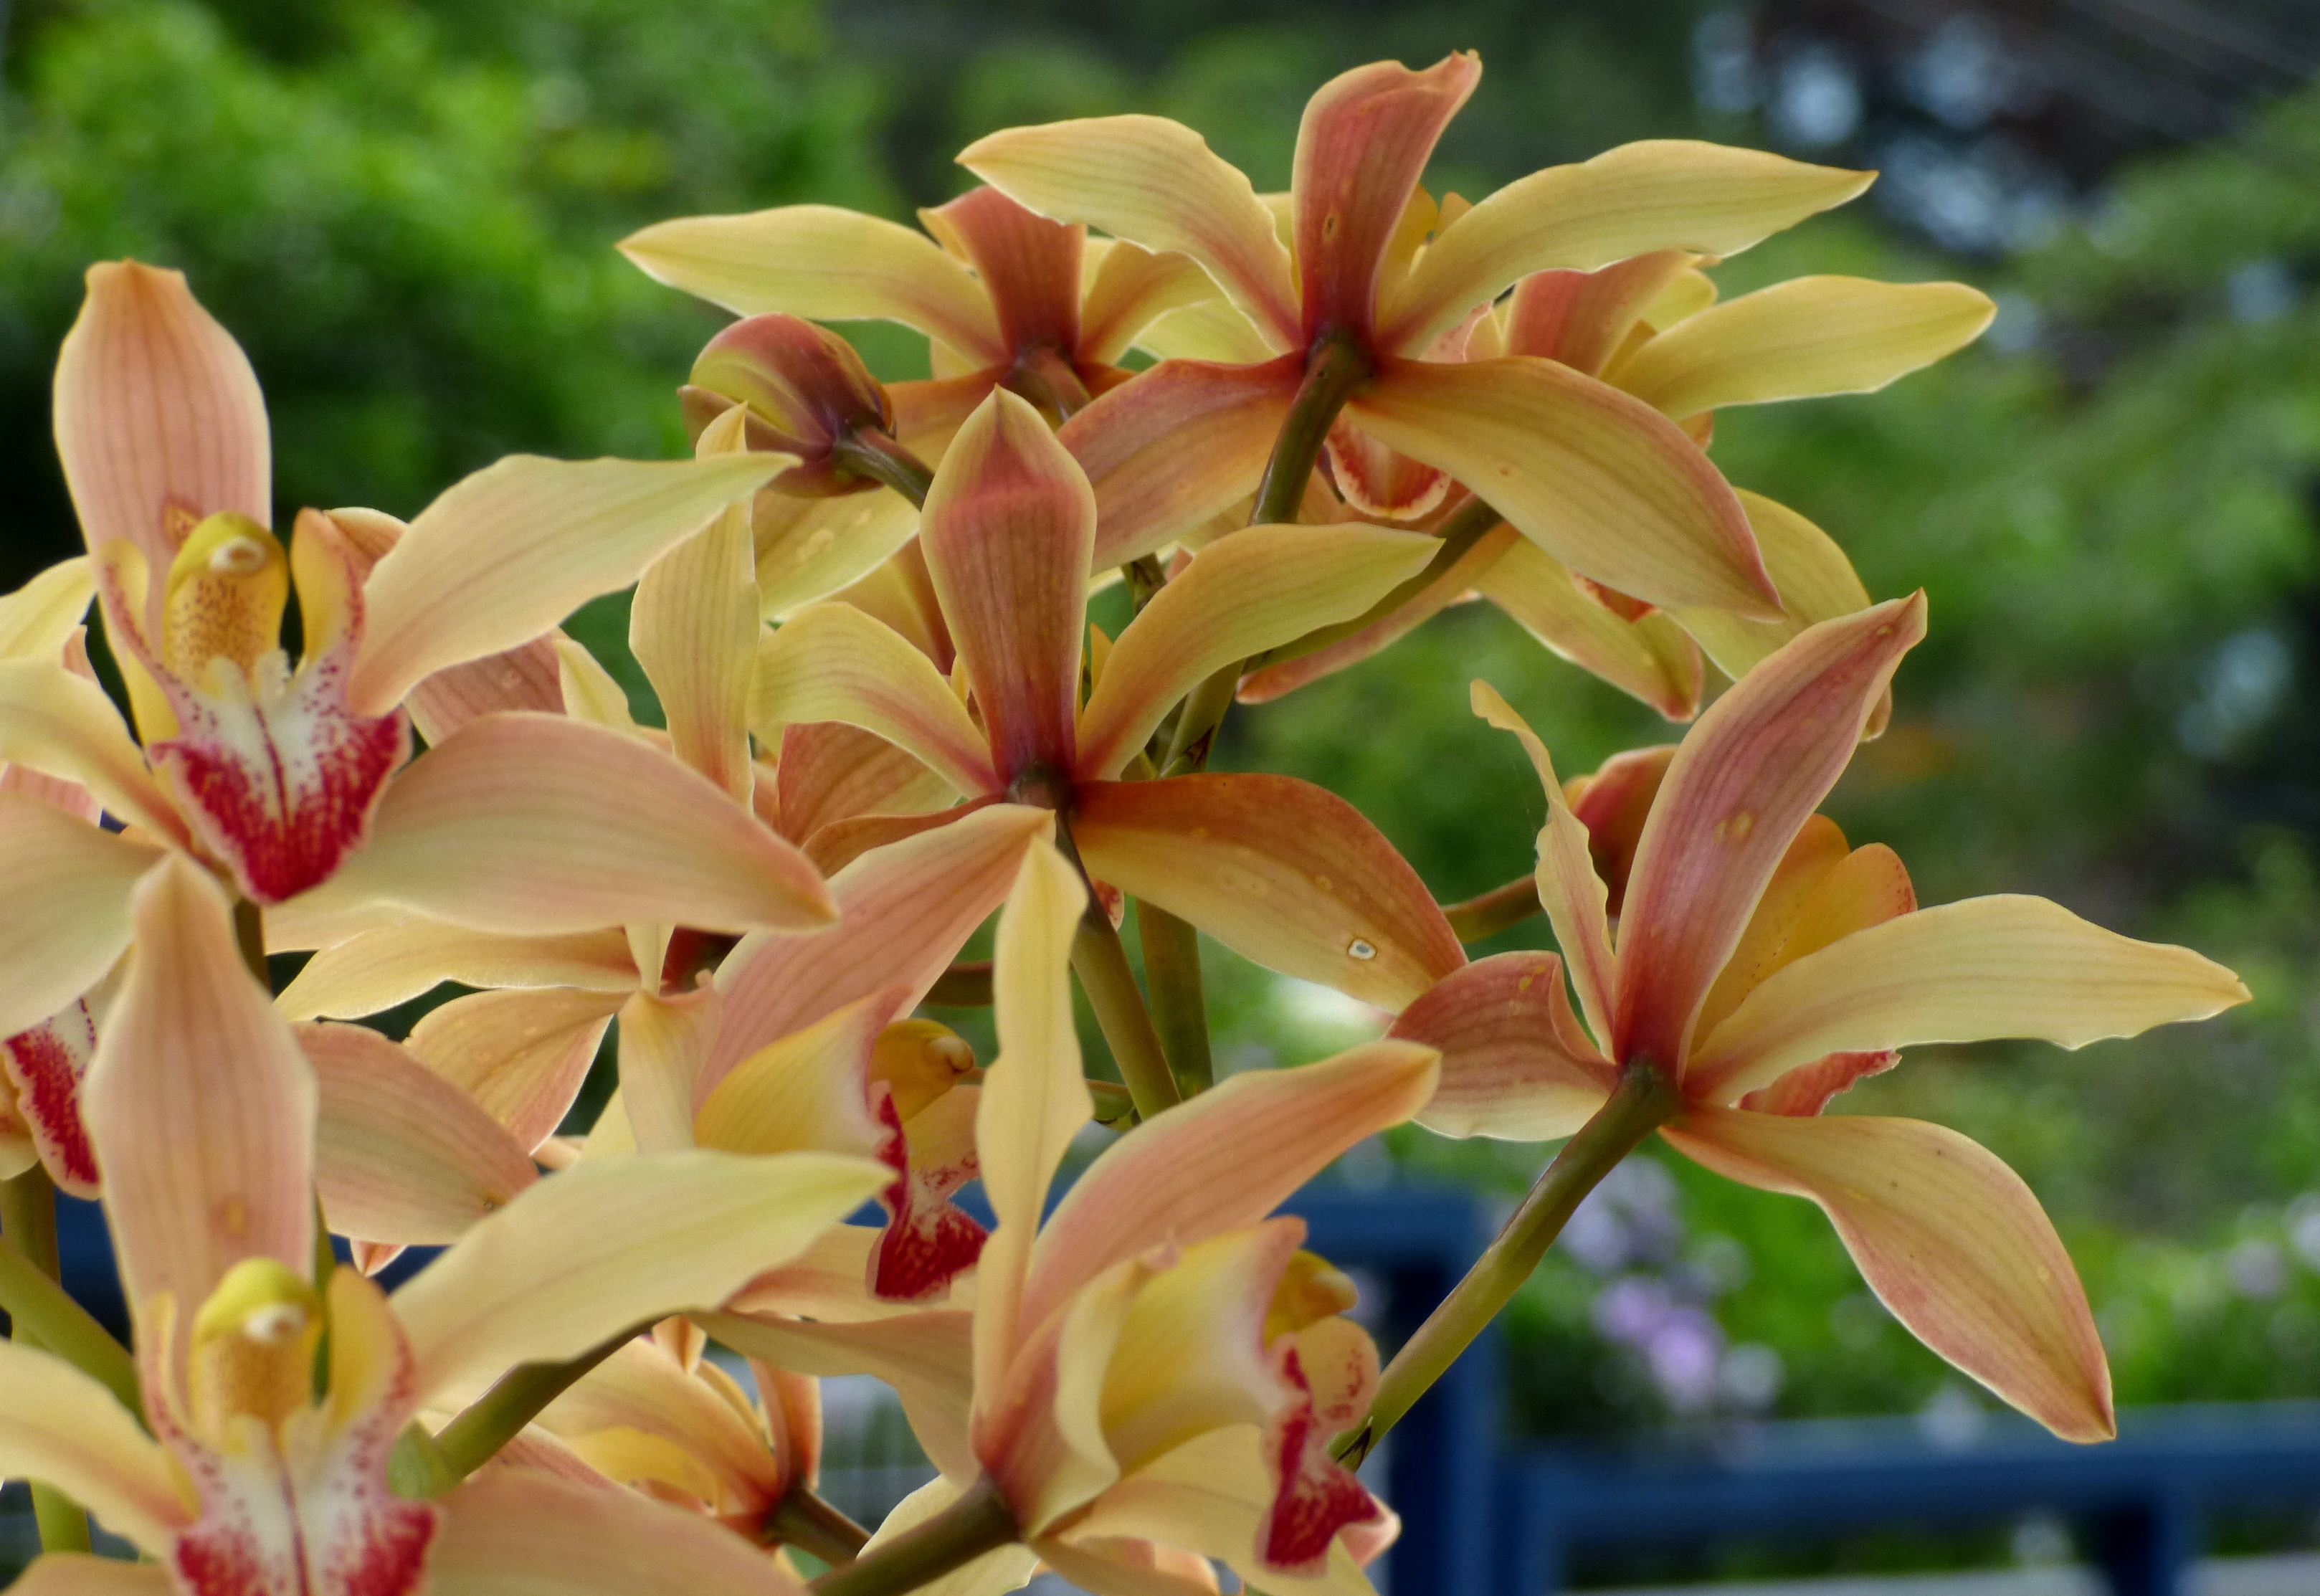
(41, 620)
(1816, 580)
(401, 1154)
(665, 1043)
(1599, 480)
(906, 911)
(1966, 972)
(69, 886)
(1754, 766)
(63, 1427)
(200, 1105)
(1514, 1064)
(1029, 265)
(1155, 183)
(1213, 330)
(509, 552)
(483, 829)
(830, 771)
(1947, 1236)
(1658, 193)
(1253, 591)
(603, 1247)
(62, 724)
(44, 1065)
(808, 549)
(832, 662)
(1649, 659)
(1800, 339)
(77, 1573)
(644, 1391)
(522, 1055)
(377, 969)
(1584, 318)
(1219, 1162)
(923, 1356)
(1816, 854)
(1281, 871)
(1132, 288)
(1363, 143)
(523, 1532)
(1183, 442)
(824, 264)
(159, 416)
(1007, 530)
(807, 1090)
(520, 678)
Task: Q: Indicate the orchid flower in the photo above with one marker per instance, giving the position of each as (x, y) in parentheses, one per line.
(1760, 966)
(1359, 306)
(264, 1473)
(1279, 871)
(1152, 1376)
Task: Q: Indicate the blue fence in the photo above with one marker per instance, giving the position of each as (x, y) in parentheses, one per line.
(1484, 1519)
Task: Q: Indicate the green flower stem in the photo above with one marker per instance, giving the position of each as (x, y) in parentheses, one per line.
(976, 1523)
(1643, 1100)
(966, 985)
(804, 1520)
(1102, 964)
(876, 457)
(473, 1438)
(1494, 910)
(42, 1313)
(1180, 1008)
(1459, 534)
(28, 1215)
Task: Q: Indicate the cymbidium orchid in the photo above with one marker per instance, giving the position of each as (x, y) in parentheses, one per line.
(268, 1469)
(1150, 1377)
(1762, 967)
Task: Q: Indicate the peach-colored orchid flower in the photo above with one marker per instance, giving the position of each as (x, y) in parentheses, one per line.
(1281, 871)
(1152, 1376)
(1372, 294)
(1760, 966)
(201, 1109)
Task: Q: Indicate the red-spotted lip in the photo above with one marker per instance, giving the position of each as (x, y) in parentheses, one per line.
(45, 1065)
(1317, 1497)
(930, 1240)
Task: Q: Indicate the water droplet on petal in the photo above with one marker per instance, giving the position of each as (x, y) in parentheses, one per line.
(1358, 948)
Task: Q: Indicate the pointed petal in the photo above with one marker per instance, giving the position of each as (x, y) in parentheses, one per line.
(1602, 481)
(692, 627)
(1947, 1236)
(1027, 265)
(825, 264)
(1816, 584)
(832, 662)
(1221, 1161)
(1742, 783)
(68, 920)
(1514, 1064)
(1008, 530)
(1584, 318)
(1658, 193)
(509, 552)
(1966, 972)
(1364, 142)
(482, 830)
(40, 620)
(59, 1426)
(200, 1105)
(1818, 851)
(520, 1056)
(377, 969)
(603, 1247)
(1570, 888)
(159, 416)
(905, 911)
(1279, 871)
(1801, 339)
(1035, 1098)
(1183, 442)
(62, 724)
(402, 1154)
(1134, 287)
(1252, 591)
(1155, 183)
(830, 771)
(521, 1532)
(1649, 658)
(923, 1356)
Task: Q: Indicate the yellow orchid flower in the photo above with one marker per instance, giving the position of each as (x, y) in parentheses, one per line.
(263, 1475)
(1760, 966)
(1150, 1377)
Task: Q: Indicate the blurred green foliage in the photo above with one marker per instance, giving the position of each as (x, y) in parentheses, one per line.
(406, 209)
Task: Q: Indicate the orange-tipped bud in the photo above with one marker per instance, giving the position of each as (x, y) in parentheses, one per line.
(807, 392)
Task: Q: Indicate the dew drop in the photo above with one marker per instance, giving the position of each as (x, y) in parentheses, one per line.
(1358, 948)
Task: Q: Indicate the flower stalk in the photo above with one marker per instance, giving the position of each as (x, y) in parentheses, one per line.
(1180, 1008)
(27, 1246)
(875, 457)
(475, 1437)
(978, 1522)
(1466, 528)
(804, 1520)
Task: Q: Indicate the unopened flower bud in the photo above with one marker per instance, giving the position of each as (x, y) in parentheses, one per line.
(807, 392)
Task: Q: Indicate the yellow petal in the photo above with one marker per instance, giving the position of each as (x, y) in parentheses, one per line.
(808, 549)
(806, 1090)
(1253, 591)
(1131, 288)
(1155, 183)
(924, 1355)
(1800, 339)
(1965, 972)
(1649, 657)
(832, 662)
(1514, 1064)
(76, 1573)
(603, 1247)
(41, 617)
(824, 264)
(61, 724)
(377, 969)
(521, 1532)
(69, 886)
(521, 1054)
(1816, 580)
(1658, 193)
(665, 1044)
(1947, 1236)
(509, 552)
(60, 1427)
(643, 1391)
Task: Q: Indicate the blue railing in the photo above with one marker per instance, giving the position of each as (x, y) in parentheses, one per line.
(1483, 1519)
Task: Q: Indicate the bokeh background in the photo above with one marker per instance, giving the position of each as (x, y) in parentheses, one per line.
(405, 211)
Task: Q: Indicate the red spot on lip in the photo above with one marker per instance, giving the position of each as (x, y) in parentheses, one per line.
(1317, 1496)
(929, 1239)
(45, 1065)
